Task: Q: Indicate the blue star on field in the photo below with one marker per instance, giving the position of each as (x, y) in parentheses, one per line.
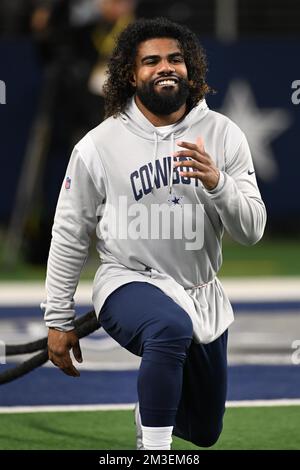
(261, 125)
(175, 200)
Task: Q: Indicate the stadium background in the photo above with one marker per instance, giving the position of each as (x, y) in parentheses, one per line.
(253, 49)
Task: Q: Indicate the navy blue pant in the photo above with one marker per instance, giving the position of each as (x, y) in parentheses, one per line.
(180, 383)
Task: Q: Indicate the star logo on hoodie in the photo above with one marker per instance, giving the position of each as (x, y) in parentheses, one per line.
(174, 200)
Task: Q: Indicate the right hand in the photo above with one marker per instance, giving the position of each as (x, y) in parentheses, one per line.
(59, 345)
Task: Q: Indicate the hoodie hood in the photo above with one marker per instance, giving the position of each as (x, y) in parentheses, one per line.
(138, 124)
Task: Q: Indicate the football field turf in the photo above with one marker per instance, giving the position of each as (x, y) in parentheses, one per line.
(244, 428)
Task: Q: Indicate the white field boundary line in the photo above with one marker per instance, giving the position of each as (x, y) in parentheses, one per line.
(130, 406)
(245, 289)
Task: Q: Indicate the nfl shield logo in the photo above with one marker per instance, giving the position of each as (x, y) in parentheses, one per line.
(68, 183)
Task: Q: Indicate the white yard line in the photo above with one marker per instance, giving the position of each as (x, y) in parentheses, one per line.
(258, 403)
(262, 289)
(65, 408)
(245, 289)
(130, 406)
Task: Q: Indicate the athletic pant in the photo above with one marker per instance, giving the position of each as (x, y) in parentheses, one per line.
(180, 383)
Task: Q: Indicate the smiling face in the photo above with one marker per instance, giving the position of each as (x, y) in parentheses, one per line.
(160, 76)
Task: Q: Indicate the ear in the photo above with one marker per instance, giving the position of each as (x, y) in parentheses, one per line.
(133, 80)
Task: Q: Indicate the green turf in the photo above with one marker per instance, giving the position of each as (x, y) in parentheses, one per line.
(244, 428)
(267, 258)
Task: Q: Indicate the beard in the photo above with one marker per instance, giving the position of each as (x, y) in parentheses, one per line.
(165, 102)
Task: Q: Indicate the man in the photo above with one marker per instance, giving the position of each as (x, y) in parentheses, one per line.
(160, 171)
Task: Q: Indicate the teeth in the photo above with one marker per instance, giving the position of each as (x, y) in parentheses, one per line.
(166, 82)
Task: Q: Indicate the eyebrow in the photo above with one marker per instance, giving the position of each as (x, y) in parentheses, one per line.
(170, 56)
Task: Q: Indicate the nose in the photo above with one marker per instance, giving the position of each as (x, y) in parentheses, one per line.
(165, 67)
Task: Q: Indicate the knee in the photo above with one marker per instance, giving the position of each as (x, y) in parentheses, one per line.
(170, 340)
(206, 439)
(177, 327)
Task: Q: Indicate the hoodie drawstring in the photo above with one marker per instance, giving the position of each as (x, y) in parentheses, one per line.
(154, 160)
(172, 160)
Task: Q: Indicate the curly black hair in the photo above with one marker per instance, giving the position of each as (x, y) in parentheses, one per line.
(118, 89)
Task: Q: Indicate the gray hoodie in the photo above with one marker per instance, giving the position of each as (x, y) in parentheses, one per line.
(152, 224)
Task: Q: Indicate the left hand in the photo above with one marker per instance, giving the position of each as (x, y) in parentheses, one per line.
(202, 164)
(59, 345)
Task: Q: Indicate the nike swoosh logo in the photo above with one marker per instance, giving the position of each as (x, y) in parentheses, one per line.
(250, 172)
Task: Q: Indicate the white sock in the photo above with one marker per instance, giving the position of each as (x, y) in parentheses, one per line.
(157, 438)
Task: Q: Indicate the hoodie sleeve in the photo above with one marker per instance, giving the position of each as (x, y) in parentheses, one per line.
(237, 198)
(75, 220)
